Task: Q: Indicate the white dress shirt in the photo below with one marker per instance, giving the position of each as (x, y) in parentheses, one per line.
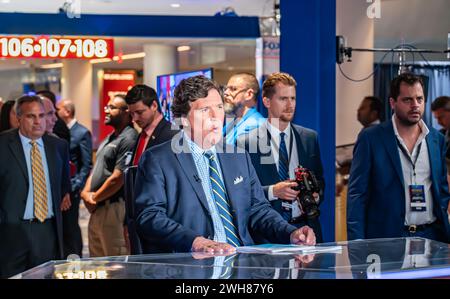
(293, 157)
(417, 257)
(71, 123)
(423, 175)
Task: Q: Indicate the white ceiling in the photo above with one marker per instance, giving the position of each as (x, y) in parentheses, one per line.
(423, 23)
(144, 7)
(239, 52)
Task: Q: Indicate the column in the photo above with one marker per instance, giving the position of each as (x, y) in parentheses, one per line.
(307, 52)
(158, 60)
(77, 86)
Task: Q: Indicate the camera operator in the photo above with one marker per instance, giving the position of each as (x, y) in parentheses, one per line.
(278, 147)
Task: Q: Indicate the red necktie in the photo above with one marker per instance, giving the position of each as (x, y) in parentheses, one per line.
(140, 148)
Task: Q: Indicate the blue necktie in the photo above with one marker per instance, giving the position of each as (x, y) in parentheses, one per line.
(227, 268)
(283, 163)
(222, 203)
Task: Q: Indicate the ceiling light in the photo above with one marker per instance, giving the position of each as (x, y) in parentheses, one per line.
(183, 48)
(175, 5)
(130, 56)
(117, 58)
(51, 66)
(6, 1)
(100, 60)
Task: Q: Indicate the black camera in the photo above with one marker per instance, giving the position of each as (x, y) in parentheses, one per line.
(307, 184)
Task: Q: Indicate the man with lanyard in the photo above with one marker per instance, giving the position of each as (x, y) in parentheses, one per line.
(398, 185)
(278, 147)
(240, 101)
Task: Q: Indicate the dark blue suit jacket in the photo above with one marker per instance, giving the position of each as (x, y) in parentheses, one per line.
(172, 208)
(258, 145)
(376, 195)
(80, 155)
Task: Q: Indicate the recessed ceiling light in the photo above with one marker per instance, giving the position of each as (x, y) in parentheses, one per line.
(183, 48)
(6, 1)
(175, 5)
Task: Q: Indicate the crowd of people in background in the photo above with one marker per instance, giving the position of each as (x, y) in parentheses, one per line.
(219, 177)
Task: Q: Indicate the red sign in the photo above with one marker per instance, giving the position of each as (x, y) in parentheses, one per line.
(56, 47)
(114, 82)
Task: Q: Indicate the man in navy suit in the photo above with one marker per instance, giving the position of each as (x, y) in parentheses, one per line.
(81, 157)
(196, 194)
(145, 111)
(31, 193)
(266, 148)
(398, 184)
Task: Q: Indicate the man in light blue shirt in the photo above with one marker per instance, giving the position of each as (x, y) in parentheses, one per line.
(240, 100)
(34, 181)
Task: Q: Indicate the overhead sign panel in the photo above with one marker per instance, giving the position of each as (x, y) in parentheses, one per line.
(56, 47)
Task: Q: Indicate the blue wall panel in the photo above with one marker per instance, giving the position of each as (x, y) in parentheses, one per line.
(125, 25)
(307, 50)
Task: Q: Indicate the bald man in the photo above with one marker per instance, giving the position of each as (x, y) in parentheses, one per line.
(50, 115)
(240, 96)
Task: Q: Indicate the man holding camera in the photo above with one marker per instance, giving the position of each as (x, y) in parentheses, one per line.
(278, 147)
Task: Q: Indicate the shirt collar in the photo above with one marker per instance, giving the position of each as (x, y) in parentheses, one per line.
(26, 140)
(71, 123)
(423, 128)
(249, 113)
(375, 122)
(196, 150)
(151, 127)
(274, 131)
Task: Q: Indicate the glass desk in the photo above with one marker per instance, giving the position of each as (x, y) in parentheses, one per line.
(361, 259)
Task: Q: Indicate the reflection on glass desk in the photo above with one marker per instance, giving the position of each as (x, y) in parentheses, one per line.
(361, 259)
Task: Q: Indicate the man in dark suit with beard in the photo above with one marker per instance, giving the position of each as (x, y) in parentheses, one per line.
(34, 178)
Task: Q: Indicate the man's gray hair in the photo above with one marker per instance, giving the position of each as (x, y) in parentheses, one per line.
(26, 99)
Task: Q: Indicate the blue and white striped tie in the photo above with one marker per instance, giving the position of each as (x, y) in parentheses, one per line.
(222, 203)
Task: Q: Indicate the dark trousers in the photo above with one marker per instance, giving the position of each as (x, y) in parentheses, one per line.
(72, 240)
(26, 245)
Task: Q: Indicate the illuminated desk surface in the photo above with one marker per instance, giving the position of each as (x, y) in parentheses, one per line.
(362, 259)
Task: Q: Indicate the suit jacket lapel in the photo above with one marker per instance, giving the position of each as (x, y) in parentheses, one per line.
(16, 148)
(186, 161)
(156, 132)
(301, 145)
(390, 143)
(50, 154)
(266, 158)
(434, 155)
